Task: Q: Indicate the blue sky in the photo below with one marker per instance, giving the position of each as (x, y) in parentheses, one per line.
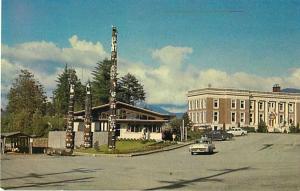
(225, 40)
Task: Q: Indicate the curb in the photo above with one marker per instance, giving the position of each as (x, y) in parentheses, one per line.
(173, 147)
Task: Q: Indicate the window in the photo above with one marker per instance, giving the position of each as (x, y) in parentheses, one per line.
(200, 117)
(280, 119)
(242, 117)
(197, 118)
(242, 104)
(260, 105)
(204, 117)
(281, 107)
(261, 117)
(233, 117)
(194, 118)
(251, 118)
(233, 104)
(216, 103)
(200, 104)
(291, 107)
(216, 116)
(251, 105)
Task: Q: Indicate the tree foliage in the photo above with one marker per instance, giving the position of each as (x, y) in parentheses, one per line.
(101, 82)
(26, 94)
(62, 91)
(130, 90)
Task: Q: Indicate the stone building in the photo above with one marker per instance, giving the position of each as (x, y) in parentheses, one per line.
(217, 108)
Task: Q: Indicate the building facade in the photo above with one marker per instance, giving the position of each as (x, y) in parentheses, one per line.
(132, 122)
(226, 108)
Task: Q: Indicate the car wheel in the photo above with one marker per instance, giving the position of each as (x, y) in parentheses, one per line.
(243, 134)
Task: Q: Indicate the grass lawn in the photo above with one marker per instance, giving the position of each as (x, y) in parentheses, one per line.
(127, 146)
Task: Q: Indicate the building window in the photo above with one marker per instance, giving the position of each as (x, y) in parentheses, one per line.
(233, 104)
(242, 104)
(271, 106)
(261, 117)
(291, 107)
(216, 116)
(233, 117)
(197, 118)
(281, 107)
(204, 117)
(251, 118)
(281, 119)
(242, 117)
(251, 105)
(260, 105)
(194, 118)
(200, 117)
(216, 103)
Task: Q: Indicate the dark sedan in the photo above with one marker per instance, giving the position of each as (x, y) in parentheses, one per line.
(219, 135)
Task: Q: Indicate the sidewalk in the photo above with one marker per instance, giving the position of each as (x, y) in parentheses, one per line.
(172, 147)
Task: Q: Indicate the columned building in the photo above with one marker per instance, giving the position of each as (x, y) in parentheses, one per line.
(226, 108)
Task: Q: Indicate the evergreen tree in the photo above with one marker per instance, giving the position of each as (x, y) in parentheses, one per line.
(187, 122)
(101, 82)
(129, 90)
(62, 91)
(26, 94)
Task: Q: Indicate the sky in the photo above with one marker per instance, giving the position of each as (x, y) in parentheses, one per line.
(171, 46)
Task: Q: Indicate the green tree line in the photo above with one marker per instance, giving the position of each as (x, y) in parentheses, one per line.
(29, 111)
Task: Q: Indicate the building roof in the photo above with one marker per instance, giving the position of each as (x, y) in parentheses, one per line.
(14, 134)
(228, 91)
(82, 112)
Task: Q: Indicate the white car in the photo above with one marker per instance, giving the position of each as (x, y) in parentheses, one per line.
(237, 132)
(203, 145)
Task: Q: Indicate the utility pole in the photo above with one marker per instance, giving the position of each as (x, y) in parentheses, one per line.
(69, 131)
(88, 135)
(113, 85)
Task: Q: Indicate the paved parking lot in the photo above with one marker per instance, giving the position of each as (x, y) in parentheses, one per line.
(253, 162)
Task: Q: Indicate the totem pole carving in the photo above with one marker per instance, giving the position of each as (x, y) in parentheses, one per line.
(69, 131)
(113, 84)
(88, 135)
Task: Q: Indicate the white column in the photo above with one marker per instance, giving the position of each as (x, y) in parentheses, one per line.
(277, 114)
(256, 111)
(266, 113)
(295, 112)
(286, 113)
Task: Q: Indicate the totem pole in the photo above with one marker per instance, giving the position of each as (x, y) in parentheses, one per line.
(69, 131)
(113, 84)
(88, 136)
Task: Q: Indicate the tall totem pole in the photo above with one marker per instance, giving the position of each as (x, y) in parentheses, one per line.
(113, 85)
(88, 136)
(69, 131)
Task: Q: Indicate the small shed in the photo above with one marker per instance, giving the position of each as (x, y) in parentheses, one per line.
(15, 142)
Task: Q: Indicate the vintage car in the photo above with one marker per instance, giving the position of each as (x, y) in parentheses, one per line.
(203, 145)
(219, 135)
(237, 131)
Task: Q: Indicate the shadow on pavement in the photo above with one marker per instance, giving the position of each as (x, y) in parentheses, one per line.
(215, 152)
(182, 183)
(34, 175)
(78, 180)
(266, 146)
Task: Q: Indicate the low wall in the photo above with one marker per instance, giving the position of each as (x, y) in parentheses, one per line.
(57, 139)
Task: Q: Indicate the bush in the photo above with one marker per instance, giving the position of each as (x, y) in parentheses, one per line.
(249, 129)
(262, 127)
(294, 129)
(96, 146)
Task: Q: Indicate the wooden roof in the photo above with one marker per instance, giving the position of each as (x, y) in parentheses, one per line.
(14, 134)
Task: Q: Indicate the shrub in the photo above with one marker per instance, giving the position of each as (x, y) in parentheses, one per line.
(96, 146)
(294, 129)
(262, 127)
(249, 129)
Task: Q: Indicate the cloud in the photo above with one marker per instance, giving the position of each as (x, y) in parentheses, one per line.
(46, 60)
(165, 82)
(174, 77)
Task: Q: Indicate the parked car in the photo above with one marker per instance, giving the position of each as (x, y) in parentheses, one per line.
(203, 145)
(237, 131)
(219, 135)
